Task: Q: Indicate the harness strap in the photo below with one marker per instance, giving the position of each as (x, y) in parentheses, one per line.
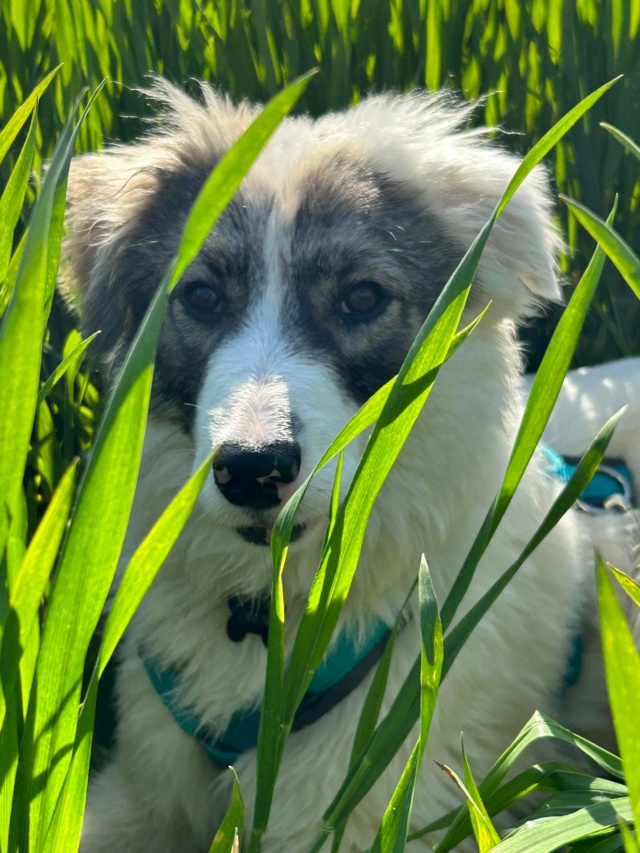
(611, 487)
(343, 669)
(574, 663)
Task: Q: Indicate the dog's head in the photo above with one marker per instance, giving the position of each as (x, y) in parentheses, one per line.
(310, 289)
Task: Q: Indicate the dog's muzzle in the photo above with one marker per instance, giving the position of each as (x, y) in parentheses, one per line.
(254, 477)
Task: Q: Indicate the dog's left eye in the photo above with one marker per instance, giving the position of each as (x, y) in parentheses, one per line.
(363, 301)
(201, 301)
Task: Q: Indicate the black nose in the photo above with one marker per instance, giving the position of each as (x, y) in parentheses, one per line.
(249, 476)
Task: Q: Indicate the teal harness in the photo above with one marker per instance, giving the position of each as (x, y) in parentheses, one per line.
(610, 488)
(344, 668)
(339, 673)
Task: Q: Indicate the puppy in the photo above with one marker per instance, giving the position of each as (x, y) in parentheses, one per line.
(303, 301)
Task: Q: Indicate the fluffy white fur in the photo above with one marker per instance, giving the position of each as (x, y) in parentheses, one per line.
(160, 794)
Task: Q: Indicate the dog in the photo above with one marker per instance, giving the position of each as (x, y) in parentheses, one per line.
(303, 301)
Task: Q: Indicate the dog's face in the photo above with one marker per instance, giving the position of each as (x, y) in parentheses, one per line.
(307, 294)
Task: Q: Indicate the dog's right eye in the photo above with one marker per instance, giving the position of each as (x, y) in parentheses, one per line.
(201, 301)
(364, 301)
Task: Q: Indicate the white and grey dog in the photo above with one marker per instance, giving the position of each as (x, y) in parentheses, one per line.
(303, 301)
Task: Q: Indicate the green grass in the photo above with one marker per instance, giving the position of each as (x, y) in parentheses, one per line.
(62, 523)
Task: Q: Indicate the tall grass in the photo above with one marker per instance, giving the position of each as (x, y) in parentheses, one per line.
(62, 523)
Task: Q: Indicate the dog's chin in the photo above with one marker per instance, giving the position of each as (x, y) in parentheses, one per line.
(260, 534)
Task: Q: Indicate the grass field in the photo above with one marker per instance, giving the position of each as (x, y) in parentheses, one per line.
(62, 522)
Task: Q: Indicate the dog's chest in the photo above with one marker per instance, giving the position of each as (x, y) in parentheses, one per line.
(214, 674)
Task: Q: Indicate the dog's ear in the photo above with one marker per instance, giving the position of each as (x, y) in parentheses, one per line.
(106, 196)
(423, 142)
(519, 266)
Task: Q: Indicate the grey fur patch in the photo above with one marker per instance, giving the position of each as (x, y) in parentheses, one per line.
(352, 225)
(229, 261)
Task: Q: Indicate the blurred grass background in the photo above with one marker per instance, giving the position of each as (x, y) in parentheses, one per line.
(534, 58)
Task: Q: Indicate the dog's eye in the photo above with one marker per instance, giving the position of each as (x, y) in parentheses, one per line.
(201, 301)
(364, 301)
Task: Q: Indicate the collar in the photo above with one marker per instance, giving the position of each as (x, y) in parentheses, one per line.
(340, 672)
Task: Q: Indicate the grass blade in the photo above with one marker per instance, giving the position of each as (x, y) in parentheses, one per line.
(545, 836)
(630, 840)
(392, 835)
(63, 835)
(6, 287)
(11, 696)
(544, 394)
(9, 747)
(54, 244)
(622, 670)
(147, 561)
(12, 128)
(628, 143)
(550, 139)
(483, 829)
(579, 480)
(612, 243)
(372, 705)
(27, 591)
(629, 585)
(13, 196)
(229, 837)
(69, 362)
(541, 726)
(215, 195)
